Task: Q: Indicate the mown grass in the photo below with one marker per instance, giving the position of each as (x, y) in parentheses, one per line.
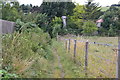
(101, 59)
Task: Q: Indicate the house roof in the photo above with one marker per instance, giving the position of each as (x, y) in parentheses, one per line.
(100, 21)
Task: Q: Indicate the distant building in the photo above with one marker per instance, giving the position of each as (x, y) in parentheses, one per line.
(64, 21)
(6, 26)
(98, 23)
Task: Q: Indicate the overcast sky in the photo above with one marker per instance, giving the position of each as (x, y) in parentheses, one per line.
(102, 2)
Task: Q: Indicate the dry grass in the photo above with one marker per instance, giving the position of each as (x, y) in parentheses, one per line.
(102, 59)
(21, 65)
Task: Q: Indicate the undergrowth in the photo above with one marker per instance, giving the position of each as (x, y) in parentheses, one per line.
(28, 53)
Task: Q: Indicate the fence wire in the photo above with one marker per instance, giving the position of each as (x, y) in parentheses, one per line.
(101, 58)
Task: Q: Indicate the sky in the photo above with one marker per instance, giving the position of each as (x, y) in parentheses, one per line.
(101, 2)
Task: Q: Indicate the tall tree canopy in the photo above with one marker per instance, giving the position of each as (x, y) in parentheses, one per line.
(75, 21)
(10, 11)
(111, 22)
(26, 8)
(58, 9)
(92, 10)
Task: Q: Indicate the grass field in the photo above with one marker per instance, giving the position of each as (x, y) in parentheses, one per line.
(101, 59)
(104, 8)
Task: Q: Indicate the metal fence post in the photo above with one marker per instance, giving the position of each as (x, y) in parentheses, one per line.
(69, 47)
(118, 61)
(1, 58)
(86, 58)
(75, 49)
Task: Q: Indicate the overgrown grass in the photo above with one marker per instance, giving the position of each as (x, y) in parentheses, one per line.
(70, 68)
(33, 54)
(28, 53)
(101, 59)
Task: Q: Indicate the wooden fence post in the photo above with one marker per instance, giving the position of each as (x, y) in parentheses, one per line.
(69, 47)
(75, 49)
(86, 58)
(57, 36)
(66, 45)
(118, 61)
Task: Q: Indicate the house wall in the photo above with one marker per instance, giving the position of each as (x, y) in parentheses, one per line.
(7, 26)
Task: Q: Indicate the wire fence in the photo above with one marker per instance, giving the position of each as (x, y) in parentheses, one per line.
(97, 59)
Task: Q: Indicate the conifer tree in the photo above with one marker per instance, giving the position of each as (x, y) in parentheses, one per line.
(92, 10)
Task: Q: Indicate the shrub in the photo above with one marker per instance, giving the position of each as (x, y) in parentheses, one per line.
(21, 26)
(5, 75)
(56, 26)
(42, 21)
(89, 28)
(22, 50)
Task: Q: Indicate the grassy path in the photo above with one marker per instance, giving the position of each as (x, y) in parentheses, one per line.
(58, 71)
(60, 65)
(64, 66)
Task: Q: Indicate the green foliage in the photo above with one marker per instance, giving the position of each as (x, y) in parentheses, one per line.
(30, 17)
(58, 9)
(89, 27)
(10, 12)
(42, 21)
(56, 26)
(74, 25)
(75, 22)
(21, 50)
(79, 11)
(104, 8)
(92, 11)
(69, 67)
(26, 8)
(21, 26)
(111, 21)
(6, 75)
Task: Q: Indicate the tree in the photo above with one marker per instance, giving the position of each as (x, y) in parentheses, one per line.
(26, 8)
(75, 21)
(10, 12)
(89, 28)
(111, 21)
(56, 26)
(30, 17)
(57, 9)
(36, 9)
(42, 21)
(92, 11)
(22, 26)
